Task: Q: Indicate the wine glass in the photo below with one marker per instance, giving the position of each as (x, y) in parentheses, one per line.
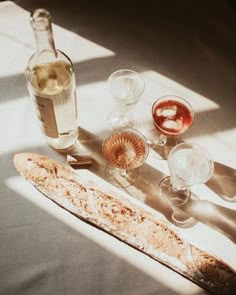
(126, 86)
(172, 116)
(125, 150)
(189, 164)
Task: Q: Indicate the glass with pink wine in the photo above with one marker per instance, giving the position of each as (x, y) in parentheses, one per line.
(172, 116)
(125, 150)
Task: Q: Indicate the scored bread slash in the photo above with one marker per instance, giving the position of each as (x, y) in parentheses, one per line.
(129, 221)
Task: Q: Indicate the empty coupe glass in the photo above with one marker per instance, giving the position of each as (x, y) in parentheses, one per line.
(189, 164)
(126, 86)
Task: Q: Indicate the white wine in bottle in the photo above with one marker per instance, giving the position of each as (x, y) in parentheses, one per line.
(51, 84)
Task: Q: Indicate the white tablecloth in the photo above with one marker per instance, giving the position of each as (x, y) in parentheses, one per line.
(184, 49)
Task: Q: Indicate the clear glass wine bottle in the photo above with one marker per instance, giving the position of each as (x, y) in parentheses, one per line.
(51, 83)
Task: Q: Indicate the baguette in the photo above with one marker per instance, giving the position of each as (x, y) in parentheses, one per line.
(128, 221)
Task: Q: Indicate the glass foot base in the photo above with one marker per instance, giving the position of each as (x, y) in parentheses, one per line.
(119, 177)
(172, 196)
(182, 220)
(116, 120)
(161, 144)
(176, 198)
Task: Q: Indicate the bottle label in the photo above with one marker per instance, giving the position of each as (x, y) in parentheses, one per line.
(46, 115)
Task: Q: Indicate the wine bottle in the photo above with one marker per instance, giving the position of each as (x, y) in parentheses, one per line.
(51, 83)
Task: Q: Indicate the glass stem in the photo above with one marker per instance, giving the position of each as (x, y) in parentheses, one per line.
(175, 187)
(181, 193)
(161, 139)
(122, 109)
(124, 173)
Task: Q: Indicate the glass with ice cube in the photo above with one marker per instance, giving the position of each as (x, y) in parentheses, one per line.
(189, 164)
(126, 86)
(172, 116)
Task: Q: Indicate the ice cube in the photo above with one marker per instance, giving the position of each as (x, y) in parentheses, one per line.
(170, 124)
(180, 166)
(168, 111)
(189, 166)
(158, 113)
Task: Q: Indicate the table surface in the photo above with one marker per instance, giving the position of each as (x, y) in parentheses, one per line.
(184, 49)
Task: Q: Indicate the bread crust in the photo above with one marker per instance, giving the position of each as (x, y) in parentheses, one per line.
(126, 220)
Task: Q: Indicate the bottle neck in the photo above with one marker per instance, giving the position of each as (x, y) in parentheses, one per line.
(44, 41)
(42, 26)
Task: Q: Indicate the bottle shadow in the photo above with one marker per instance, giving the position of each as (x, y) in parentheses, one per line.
(145, 189)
